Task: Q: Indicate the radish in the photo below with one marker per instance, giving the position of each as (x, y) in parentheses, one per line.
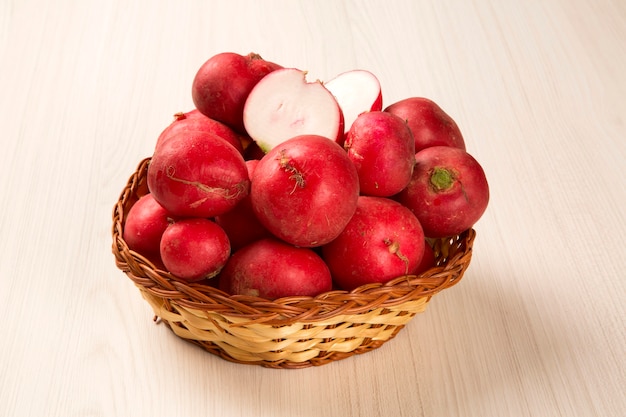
(222, 84)
(430, 125)
(356, 91)
(145, 223)
(428, 260)
(448, 191)
(271, 269)
(284, 105)
(195, 121)
(381, 147)
(305, 190)
(194, 249)
(240, 223)
(382, 241)
(197, 174)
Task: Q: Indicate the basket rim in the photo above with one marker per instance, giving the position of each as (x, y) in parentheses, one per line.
(453, 254)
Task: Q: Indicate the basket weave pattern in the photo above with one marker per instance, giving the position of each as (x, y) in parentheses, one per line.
(291, 332)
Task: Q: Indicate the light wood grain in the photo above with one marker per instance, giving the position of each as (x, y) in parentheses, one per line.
(537, 326)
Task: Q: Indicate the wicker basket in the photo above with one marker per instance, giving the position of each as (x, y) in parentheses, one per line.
(292, 332)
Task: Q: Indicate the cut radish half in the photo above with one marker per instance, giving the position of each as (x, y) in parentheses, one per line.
(356, 91)
(284, 105)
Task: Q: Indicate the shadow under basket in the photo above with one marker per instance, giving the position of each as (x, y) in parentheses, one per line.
(291, 332)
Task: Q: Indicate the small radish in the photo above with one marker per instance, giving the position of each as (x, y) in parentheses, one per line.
(195, 121)
(271, 269)
(356, 91)
(428, 260)
(197, 174)
(194, 249)
(145, 223)
(222, 84)
(381, 147)
(430, 125)
(305, 190)
(382, 241)
(284, 105)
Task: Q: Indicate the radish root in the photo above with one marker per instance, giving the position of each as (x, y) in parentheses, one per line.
(394, 248)
(295, 176)
(227, 193)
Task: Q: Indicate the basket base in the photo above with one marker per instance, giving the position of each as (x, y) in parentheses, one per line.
(291, 346)
(321, 358)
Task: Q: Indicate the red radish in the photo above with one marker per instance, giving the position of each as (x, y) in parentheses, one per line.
(197, 174)
(284, 105)
(428, 260)
(356, 91)
(195, 121)
(271, 269)
(194, 249)
(222, 84)
(381, 147)
(382, 241)
(145, 223)
(448, 191)
(241, 224)
(430, 125)
(305, 190)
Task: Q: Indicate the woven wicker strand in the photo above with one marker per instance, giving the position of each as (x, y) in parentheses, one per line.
(291, 332)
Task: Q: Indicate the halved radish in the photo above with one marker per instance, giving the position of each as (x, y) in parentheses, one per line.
(356, 91)
(284, 105)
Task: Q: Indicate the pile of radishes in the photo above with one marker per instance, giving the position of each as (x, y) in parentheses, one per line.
(277, 186)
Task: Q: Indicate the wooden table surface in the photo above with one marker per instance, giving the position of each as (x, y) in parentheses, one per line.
(536, 327)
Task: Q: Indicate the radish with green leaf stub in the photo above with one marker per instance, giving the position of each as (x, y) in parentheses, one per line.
(305, 190)
(197, 174)
(448, 191)
(284, 105)
(383, 240)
